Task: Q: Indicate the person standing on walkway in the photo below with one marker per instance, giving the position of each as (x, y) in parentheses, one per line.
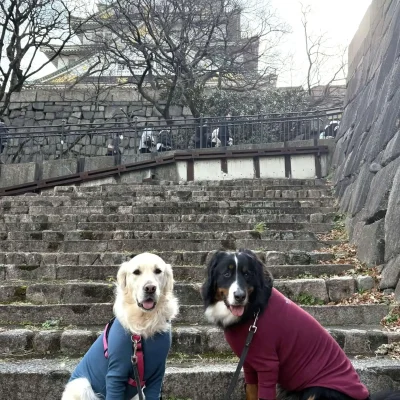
(147, 141)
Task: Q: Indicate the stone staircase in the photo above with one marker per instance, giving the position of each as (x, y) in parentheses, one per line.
(60, 252)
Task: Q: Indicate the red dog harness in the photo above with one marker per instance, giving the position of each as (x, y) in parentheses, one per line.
(137, 356)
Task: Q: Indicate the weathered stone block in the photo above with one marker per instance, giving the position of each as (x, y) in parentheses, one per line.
(360, 190)
(356, 342)
(52, 108)
(98, 140)
(316, 218)
(38, 106)
(16, 341)
(15, 114)
(50, 115)
(294, 289)
(49, 149)
(88, 115)
(390, 274)
(47, 342)
(381, 184)
(101, 151)
(89, 150)
(52, 169)
(392, 231)
(16, 174)
(365, 282)
(76, 342)
(298, 257)
(92, 163)
(275, 258)
(392, 150)
(371, 244)
(340, 288)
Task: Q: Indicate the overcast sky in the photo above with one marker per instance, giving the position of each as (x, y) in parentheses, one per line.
(339, 19)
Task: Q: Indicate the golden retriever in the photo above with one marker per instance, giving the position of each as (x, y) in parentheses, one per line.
(144, 305)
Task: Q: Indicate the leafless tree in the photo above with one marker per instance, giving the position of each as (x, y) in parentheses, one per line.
(326, 64)
(25, 27)
(173, 49)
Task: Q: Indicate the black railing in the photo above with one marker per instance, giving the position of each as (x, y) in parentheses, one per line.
(126, 139)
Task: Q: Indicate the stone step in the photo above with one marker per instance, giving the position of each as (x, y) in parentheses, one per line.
(188, 208)
(29, 261)
(311, 290)
(97, 313)
(170, 185)
(260, 190)
(66, 235)
(165, 226)
(167, 218)
(141, 245)
(181, 273)
(50, 339)
(327, 315)
(45, 379)
(214, 201)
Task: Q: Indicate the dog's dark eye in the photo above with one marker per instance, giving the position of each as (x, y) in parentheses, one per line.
(158, 271)
(227, 275)
(246, 274)
(137, 272)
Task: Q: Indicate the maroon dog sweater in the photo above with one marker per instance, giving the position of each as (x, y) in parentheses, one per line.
(291, 348)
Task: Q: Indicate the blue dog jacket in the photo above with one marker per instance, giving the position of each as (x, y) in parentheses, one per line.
(110, 376)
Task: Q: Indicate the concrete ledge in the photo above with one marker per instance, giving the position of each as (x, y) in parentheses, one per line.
(17, 174)
(56, 168)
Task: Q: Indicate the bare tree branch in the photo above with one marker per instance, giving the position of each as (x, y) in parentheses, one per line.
(175, 48)
(26, 26)
(319, 56)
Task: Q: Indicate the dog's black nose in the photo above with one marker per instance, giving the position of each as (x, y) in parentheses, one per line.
(239, 295)
(150, 288)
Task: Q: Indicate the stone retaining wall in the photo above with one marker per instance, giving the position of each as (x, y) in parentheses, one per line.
(367, 176)
(49, 108)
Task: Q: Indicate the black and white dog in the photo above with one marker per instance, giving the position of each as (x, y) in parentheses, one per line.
(290, 350)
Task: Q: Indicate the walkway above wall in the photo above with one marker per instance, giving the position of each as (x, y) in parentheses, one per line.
(304, 159)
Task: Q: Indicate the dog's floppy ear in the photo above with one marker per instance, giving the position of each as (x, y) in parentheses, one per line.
(121, 275)
(169, 284)
(209, 287)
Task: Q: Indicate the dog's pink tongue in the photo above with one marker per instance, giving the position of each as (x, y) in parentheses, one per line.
(237, 311)
(148, 304)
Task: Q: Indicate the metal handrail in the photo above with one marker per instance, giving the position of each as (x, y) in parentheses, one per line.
(124, 139)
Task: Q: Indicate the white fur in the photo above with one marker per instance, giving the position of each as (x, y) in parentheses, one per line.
(219, 313)
(231, 292)
(234, 286)
(130, 291)
(79, 389)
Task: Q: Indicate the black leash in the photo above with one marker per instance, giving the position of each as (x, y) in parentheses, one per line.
(249, 338)
(135, 368)
(137, 379)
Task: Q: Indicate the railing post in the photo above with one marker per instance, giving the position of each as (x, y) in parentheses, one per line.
(201, 131)
(135, 136)
(62, 137)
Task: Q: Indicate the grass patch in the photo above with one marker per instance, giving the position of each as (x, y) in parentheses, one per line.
(260, 227)
(51, 324)
(306, 299)
(392, 320)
